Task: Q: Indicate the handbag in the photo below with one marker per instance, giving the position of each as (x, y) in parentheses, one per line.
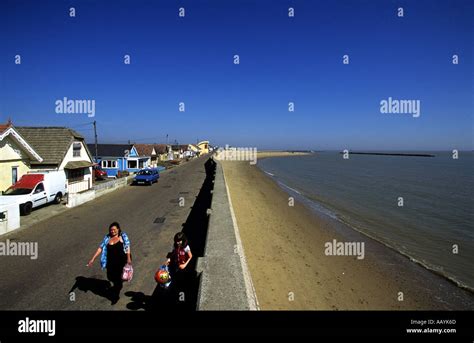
(127, 273)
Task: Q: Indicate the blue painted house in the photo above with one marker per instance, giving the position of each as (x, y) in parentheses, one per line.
(115, 158)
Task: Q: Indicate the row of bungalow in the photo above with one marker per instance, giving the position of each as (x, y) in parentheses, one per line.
(36, 149)
(119, 158)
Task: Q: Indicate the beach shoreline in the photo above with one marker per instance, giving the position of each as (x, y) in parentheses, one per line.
(285, 250)
(280, 153)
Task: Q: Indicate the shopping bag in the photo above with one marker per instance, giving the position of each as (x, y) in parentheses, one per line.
(127, 273)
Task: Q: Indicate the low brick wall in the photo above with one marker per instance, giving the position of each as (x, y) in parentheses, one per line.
(112, 185)
(77, 199)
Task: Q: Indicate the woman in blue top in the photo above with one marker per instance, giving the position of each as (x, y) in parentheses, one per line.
(115, 253)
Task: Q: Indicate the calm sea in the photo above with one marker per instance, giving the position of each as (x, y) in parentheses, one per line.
(364, 192)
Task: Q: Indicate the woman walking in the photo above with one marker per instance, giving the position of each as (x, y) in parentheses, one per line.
(114, 251)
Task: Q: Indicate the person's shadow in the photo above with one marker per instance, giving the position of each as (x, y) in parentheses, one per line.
(96, 286)
(180, 295)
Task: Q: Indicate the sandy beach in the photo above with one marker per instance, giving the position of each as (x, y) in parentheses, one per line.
(266, 154)
(285, 250)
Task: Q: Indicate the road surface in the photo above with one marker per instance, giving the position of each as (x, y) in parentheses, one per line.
(59, 279)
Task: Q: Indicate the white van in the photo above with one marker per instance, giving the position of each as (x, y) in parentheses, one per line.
(36, 189)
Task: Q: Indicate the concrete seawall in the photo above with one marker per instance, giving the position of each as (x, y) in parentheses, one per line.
(225, 282)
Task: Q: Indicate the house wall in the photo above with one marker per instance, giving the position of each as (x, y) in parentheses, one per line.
(204, 147)
(111, 172)
(122, 163)
(154, 161)
(84, 156)
(11, 156)
(69, 157)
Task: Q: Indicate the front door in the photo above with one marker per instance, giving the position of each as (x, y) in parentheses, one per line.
(39, 196)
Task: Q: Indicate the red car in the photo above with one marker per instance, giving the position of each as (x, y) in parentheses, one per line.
(99, 173)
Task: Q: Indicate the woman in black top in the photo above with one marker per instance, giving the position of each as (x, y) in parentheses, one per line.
(115, 253)
(116, 260)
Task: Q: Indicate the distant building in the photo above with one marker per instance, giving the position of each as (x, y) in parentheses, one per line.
(147, 151)
(179, 150)
(117, 158)
(194, 149)
(203, 147)
(162, 151)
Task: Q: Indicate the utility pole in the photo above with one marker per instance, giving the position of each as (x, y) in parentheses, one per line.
(95, 136)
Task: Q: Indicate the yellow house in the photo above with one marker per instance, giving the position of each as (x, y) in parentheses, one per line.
(203, 147)
(16, 156)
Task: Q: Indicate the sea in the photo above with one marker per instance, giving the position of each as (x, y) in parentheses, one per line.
(422, 207)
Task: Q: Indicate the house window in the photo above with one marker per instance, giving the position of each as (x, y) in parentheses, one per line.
(132, 164)
(14, 175)
(76, 150)
(109, 164)
(74, 175)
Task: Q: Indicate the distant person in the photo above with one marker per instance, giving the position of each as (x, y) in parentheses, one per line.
(178, 259)
(114, 251)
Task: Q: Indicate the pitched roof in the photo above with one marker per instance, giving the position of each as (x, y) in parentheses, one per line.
(110, 150)
(161, 148)
(11, 131)
(144, 149)
(51, 143)
(180, 147)
(4, 127)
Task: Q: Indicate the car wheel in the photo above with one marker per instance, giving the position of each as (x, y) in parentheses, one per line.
(58, 198)
(25, 209)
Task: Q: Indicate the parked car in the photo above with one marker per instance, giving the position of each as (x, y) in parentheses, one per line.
(146, 176)
(99, 173)
(36, 189)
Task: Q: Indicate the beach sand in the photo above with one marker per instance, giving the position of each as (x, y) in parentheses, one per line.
(265, 154)
(285, 250)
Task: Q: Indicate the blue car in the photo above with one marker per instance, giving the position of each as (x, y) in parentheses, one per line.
(146, 176)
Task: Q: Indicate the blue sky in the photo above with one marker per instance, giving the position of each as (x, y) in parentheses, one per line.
(282, 59)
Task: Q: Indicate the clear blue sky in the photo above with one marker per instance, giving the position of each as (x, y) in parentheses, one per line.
(282, 59)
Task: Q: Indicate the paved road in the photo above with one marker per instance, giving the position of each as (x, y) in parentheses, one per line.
(67, 241)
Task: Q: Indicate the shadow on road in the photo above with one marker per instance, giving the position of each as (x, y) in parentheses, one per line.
(197, 223)
(183, 292)
(96, 286)
(181, 295)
